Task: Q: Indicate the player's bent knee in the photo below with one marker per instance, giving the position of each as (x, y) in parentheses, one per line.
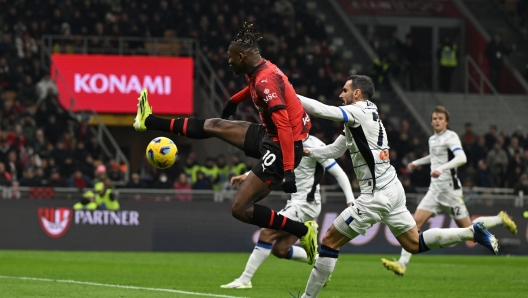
(280, 252)
(213, 124)
(411, 245)
(240, 212)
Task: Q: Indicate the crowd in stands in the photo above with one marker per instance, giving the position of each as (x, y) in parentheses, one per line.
(42, 145)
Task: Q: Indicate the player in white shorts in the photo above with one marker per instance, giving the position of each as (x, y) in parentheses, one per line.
(303, 206)
(382, 196)
(445, 191)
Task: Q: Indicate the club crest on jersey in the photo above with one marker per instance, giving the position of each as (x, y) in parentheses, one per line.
(55, 221)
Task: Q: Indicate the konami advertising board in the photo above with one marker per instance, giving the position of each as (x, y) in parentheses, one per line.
(111, 84)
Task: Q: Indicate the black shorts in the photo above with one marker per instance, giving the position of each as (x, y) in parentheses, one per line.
(270, 168)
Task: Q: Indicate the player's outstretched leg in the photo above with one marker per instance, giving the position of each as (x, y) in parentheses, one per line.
(440, 238)
(500, 219)
(232, 132)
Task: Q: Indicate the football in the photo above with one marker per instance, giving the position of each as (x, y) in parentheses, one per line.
(162, 152)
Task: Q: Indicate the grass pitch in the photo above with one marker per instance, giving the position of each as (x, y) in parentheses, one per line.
(118, 274)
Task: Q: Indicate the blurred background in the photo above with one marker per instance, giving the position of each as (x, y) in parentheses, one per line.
(71, 72)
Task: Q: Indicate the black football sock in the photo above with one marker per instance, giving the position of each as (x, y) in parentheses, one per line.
(189, 127)
(264, 217)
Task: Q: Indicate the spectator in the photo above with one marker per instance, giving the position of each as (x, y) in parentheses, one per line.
(495, 52)
(101, 176)
(29, 178)
(468, 138)
(5, 177)
(183, 188)
(105, 197)
(202, 182)
(379, 71)
(191, 168)
(87, 202)
(79, 180)
(522, 185)
(514, 147)
(407, 184)
(222, 170)
(163, 182)
(478, 151)
(520, 137)
(14, 166)
(56, 180)
(447, 56)
(237, 167)
(497, 163)
(115, 174)
(482, 176)
(210, 170)
(136, 182)
(45, 87)
(491, 136)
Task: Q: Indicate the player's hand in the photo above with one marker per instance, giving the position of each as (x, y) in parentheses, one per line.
(230, 108)
(237, 180)
(306, 152)
(411, 166)
(435, 174)
(288, 182)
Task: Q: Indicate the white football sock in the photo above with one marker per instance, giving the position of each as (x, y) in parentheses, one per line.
(405, 257)
(257, 257)
(297, 253)
(322, 269)
(440, 238)
(489, 221)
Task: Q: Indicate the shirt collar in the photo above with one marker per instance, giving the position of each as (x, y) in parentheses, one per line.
(261, 62)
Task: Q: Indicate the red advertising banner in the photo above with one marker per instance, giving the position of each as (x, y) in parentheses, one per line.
(111, 84)
(401, 7)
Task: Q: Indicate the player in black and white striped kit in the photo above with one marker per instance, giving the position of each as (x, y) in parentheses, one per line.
(304, 205)
(382, 196)
(445, 190)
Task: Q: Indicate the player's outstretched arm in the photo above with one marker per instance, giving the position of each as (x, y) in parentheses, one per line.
(334, 150)
(316, 108)
(419, 162)
(335, 170)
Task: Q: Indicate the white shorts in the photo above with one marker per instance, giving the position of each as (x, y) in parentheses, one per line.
(386, 205)
(450, 200)
(301, 211)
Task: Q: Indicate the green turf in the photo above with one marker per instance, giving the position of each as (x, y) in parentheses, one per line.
(355, 275)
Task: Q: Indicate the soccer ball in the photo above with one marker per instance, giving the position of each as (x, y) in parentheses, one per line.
(162, 152)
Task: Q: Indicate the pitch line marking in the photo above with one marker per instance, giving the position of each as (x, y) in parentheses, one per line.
(118, 286)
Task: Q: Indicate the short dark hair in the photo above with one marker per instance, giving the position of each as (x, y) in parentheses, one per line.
(440, 110)
(246, 37)
(363, 83)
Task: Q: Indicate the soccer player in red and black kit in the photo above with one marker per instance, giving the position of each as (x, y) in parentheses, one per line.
(277, 142)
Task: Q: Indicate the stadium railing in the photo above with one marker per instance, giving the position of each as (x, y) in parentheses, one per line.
(329, 194)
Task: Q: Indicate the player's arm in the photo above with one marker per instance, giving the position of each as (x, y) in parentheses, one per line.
(284, 131)
(335, 170)
(230, 106)
(459, 158)
(332, 151)
(316, 108)
(419, 162)
(237, 180)
(271, 91)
